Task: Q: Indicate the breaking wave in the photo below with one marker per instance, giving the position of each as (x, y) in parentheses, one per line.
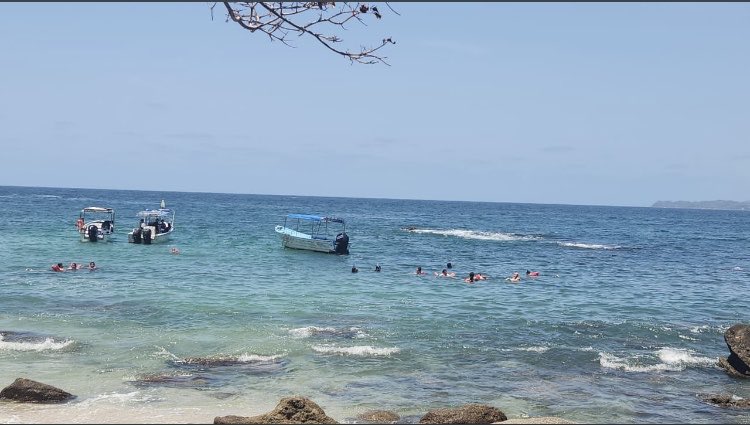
(362, 350)
(588, 245)
(476, 234)
(46, 344)
(669, 360)
(309, 331)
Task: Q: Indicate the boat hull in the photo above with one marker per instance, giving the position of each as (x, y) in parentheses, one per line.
(297, 240)
(97, 235)
(156, 238)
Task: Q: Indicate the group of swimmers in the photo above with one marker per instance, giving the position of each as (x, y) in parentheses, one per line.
(59, 267)
(470, 279)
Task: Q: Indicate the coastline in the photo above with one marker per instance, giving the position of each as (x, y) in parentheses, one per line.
(88, 412)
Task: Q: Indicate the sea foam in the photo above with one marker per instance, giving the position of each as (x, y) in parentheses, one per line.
(588, 245)
(308, 331)
(40, 345)
(670, 359)
(476, 234)
(361, 350)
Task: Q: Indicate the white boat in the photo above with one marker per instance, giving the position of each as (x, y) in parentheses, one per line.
(96, 224)
(311, 232)
(154, 226)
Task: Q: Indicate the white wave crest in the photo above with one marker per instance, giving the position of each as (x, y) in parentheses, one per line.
(119, 399)
(687, 337)
(163, 352)
(671, 360)
(683, 357)
(255, 358)
(362, 350)
(533, 349)
(699, 329)
(309, 331)
(475, 234)
(47, 344)
(587, 245)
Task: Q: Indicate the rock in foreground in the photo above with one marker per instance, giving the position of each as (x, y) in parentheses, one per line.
(723, 400)
(466, 414)
(28, 391)
(290, 410)
(738, 340)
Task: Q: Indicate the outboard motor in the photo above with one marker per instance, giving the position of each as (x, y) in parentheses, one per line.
(92, 233)
(137, 235)
(341, 246)
(146, 236)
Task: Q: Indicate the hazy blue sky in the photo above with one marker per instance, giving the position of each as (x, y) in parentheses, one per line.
(581, 103)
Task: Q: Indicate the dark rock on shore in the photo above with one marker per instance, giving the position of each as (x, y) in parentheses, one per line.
(251, 365)
(737, 338)
(28, 391)
(723, 400)
(379, 417)
(290, 410)
(466, 414)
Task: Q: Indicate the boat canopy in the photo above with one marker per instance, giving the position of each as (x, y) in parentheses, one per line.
(316, 218)
(98, 209)
(160, 213)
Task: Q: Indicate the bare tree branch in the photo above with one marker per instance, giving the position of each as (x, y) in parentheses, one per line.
(319, 20)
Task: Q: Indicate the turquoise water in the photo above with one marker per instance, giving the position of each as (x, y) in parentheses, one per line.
(625, 323)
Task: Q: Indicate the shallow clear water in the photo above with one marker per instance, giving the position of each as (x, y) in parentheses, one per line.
(625, 323)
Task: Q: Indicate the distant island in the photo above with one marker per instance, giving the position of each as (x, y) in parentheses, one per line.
(707, 205)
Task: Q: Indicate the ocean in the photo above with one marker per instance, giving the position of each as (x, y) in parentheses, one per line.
(624, 324)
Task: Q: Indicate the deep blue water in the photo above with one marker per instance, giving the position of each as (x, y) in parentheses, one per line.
(625, 323)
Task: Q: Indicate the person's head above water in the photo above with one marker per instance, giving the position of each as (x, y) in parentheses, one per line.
(449, 265)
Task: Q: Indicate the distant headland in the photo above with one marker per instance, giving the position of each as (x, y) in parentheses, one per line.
(707, 205)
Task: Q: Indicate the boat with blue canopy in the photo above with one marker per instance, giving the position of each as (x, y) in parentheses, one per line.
(153, 226)
(313, 233)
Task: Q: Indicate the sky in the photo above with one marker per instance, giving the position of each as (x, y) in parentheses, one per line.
(619, 104)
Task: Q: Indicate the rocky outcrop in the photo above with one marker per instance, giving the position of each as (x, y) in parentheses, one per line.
(466, 414)
(379, 417)
(723, 400)
(28, 391)
(738, 340)
(290, 410)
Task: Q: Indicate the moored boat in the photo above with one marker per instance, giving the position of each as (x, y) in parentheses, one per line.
(311, 232)
(154, 226)
(96, 224)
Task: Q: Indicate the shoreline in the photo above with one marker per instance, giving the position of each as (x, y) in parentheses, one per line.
(142, 408)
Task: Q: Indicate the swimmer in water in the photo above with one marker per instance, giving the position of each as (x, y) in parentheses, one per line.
(515, 278)
(419, 272)
(532, 274)
(445, 273)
